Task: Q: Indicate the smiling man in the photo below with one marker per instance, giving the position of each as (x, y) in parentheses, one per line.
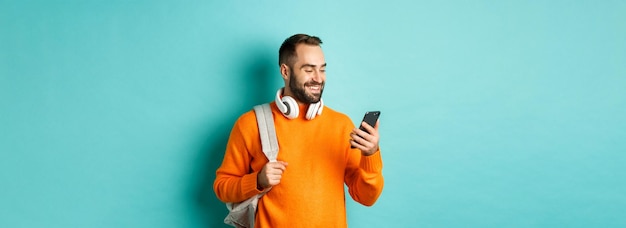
(315, 158)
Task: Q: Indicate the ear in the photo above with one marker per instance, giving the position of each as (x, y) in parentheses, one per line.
(284, 71)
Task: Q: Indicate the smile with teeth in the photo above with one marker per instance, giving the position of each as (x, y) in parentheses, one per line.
(315, 88)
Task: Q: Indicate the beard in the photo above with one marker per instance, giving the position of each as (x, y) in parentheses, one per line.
(299, 90)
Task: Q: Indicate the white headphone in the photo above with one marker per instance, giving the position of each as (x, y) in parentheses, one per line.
(290, 109)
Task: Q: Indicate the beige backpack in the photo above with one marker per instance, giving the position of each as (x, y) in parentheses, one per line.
(241, 215)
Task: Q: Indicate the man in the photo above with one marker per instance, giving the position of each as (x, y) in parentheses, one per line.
(315, 157)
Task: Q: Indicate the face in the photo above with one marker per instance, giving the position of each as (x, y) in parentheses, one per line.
(306, 78)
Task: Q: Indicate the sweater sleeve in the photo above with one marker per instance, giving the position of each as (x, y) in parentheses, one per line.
(364, 177)
(235, 181)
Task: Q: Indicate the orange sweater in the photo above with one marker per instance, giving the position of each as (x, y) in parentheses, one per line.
(311, 191)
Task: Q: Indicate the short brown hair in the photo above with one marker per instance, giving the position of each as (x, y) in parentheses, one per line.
(287, 51)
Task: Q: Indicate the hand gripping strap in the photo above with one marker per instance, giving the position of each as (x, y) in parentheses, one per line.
(242, 214)
(267, 131)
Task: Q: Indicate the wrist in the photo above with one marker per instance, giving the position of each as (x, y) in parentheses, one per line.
(370, 153)
(258, 183)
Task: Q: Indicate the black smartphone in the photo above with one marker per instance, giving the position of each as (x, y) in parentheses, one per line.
(370, 118)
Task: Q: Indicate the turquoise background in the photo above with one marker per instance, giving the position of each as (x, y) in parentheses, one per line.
(494, 113)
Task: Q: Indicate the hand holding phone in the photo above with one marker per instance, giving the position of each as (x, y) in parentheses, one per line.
(370, 118)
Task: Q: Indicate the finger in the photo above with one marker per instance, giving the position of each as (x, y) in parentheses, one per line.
(365, 124)
(278, 165)
(275, 177)
(361, 140)
(361, 133)
(367, 140)
(274, 172)
(371, 134)
(355, 144)
(274, 181)
(370, 129)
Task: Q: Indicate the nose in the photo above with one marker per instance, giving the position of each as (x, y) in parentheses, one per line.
(318, 76)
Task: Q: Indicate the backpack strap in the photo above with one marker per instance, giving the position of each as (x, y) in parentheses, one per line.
(242, 214)
(267, 131)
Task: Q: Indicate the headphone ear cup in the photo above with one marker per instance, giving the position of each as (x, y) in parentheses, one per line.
(287, 105)
(291, 107)
(321, 107)
(312, 111)
(279, 103)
